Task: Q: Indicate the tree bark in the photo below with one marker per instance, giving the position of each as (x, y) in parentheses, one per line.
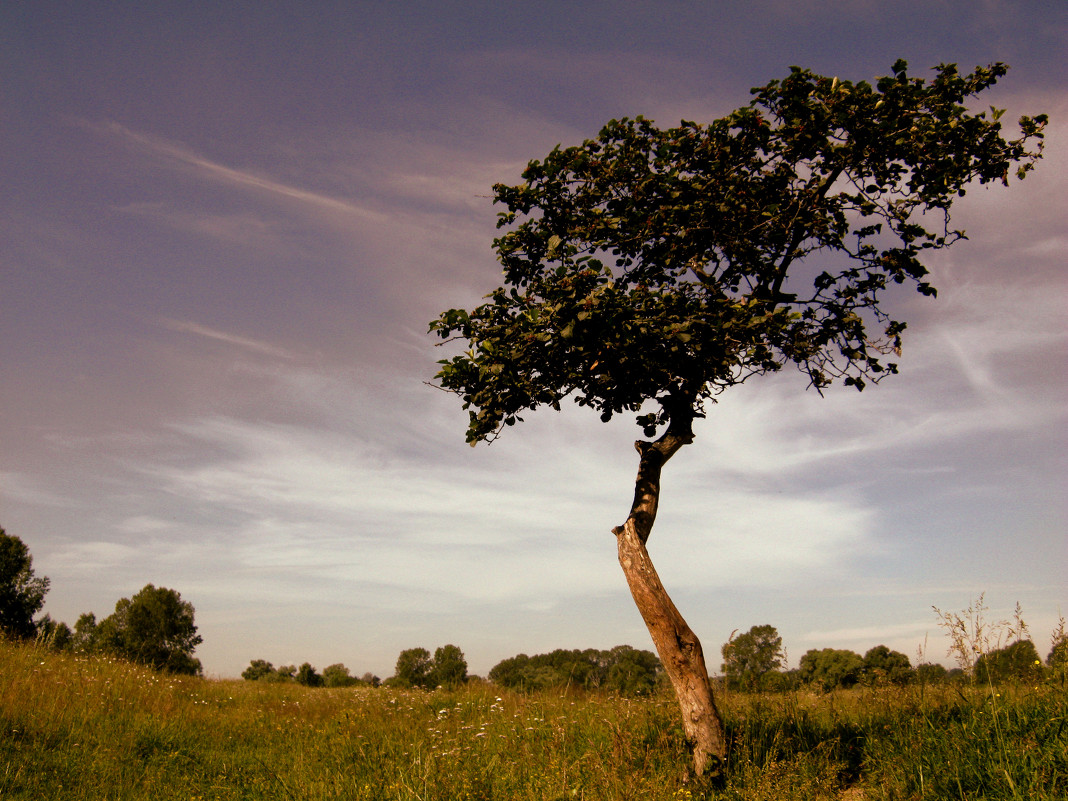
(679, 649)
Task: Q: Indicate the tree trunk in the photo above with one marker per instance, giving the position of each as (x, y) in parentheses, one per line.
(679, 649)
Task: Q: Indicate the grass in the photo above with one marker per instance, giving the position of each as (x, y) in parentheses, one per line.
(90, 728)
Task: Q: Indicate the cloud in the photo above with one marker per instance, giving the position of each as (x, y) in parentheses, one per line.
(87, 557)
(244, 229)
(244, 343)
(27, 488)
(246, 179)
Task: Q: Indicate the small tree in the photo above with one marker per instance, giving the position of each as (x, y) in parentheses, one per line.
(748, 657)
(931, 673)
(21, 592)
(1057, 659)
(155, 628)
(307, 676)
(449, 668)
(648, 270)
(258, 670)
(1018, 661)
(370, 679)
(829, 668)
(881, 665)
(54, 634)
(85, 633)
(413, 668)
(338, 675)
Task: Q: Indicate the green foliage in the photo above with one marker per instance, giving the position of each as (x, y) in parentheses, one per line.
(828, 668)
(1057, 659)
(881, 666)
(54, 634)
(153, 628)
(450, 667)
(1018, 661)
(21, 592)
(258, 669)
(413, 668)
(307, 676)
(749, 657)
(625, 670)
(667, 265)
(928, 673)
(337, 675)
(416, 668)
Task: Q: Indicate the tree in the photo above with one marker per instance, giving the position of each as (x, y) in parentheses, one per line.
(748, 657)
(1019, 660)
(623, 669)
(631, 671)
(85, 633)
(881, 665)
(258, 669)
(21, 592)
(371, 679)
(1057, 659)
(307, 676)
(648, 270)
(930, 673)
(54, 634)
(338, 675)
(449, 668)
(413, 668)
(830, 667)
(154, 628)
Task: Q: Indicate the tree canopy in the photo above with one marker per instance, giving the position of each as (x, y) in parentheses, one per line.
(882, 665)
(666, 265)
(748, 657)
(623, 669)
(21, 591)
(155, 627)
(828, 668)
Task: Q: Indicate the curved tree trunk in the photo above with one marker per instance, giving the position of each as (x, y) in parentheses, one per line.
(679, 649)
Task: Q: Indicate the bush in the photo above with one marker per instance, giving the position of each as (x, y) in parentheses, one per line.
(831, 667)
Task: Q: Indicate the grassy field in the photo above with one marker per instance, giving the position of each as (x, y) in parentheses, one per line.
(78, 728)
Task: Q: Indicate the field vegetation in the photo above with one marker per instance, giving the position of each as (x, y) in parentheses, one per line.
(94, 727)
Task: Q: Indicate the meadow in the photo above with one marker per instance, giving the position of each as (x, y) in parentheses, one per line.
(75, 727)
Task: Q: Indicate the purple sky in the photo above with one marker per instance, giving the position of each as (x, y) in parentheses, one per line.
(225, 227)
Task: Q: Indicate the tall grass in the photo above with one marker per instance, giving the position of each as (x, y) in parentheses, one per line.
(78, 728)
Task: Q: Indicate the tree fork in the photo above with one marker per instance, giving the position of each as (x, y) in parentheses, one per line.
(679, 648)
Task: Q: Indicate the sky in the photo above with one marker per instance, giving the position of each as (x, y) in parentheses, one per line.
(226, 226)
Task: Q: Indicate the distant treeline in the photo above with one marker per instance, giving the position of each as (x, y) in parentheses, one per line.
(752, 662)
(336, 675)
(625, 670)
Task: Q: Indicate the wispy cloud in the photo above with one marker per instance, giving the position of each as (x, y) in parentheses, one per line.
(188, 327)
(244, 229)
(243, 178)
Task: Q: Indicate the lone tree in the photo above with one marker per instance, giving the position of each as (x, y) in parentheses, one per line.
(21, 591)
(155, 628)
(749, 657)
(648, 270)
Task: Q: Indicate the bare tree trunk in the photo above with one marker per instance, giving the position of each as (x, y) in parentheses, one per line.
(679, 649)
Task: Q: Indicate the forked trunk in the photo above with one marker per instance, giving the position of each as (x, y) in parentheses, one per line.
(679, 649)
